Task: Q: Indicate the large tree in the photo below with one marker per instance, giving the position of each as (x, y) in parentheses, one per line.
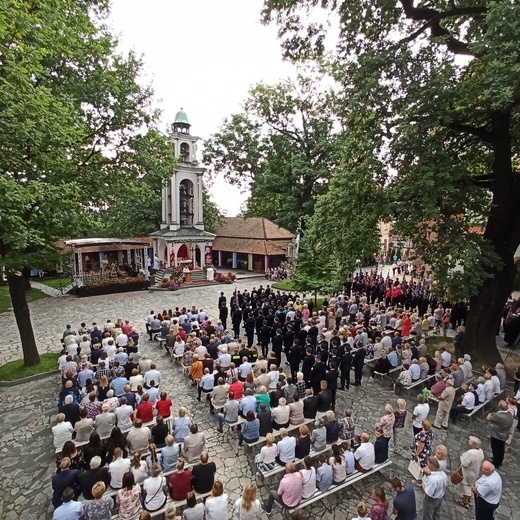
(436, 86)
(281, 148)
(70, 106)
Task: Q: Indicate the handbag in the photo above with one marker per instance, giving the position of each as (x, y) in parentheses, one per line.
(457, 477)
(415, 469)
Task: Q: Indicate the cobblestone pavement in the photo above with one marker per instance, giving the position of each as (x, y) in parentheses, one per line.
(27, 414)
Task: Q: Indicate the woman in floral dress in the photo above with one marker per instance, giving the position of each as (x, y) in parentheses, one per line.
(129, 498)
(422, 446)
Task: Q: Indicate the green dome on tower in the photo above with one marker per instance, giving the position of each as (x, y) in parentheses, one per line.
(181, 117)
(181, 124)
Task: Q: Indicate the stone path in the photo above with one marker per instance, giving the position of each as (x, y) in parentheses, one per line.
(27, 413)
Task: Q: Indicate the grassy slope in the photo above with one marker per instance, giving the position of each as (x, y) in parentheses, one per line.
(5, 300)
(16, 370)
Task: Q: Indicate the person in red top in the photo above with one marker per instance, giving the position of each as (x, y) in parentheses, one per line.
(164, 405)
(145, 410)
(127, 328)
(179, 482)
(237, 387)
(407, 326)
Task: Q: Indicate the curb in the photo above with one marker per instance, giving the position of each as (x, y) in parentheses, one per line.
(36, 377)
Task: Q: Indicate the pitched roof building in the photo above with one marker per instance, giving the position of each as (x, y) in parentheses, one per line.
(251, 243)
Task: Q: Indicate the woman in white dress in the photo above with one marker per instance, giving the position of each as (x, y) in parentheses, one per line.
(470, 462)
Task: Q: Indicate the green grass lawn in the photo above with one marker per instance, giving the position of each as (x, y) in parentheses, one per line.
(284, 285)
(15, 370)
(5, 300)
(55, 283)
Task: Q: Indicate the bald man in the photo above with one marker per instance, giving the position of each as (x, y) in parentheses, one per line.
(487, 490)
(289, 492)
(365, 455)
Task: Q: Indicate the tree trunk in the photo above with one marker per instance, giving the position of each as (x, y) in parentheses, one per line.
(503, 231)
(485, 312)
(26, 273)
(23, 319)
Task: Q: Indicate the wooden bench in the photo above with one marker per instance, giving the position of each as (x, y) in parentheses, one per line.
(480, 406)
(291, 428)
(419, 382)
(351, 479)
(266, 475)
(395, 369)
(176, 503)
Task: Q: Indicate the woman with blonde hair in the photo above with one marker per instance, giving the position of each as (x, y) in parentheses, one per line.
(470, 463)
(441, 454)
(386, 423)
(266, 459)
(181, 425)
(215, 507)
(99, 508)
(248, 507)
(153, 489)
(400, 418)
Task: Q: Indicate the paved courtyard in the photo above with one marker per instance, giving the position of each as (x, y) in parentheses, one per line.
(27, 413)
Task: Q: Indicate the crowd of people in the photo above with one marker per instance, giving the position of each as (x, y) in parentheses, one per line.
(126, 437)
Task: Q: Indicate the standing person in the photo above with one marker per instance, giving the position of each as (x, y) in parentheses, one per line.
(345, 366)
(422, 446)
(404, 505)
(379, 509)
(358, 363)
(400, 418)
(248, 507)
(487, 490)
(387, 422)
(445, 403)
(470, 462)
(434, 485)
(499, 426)
(420, 412)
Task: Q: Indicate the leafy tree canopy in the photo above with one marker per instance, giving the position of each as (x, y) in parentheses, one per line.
(280, 147)
(71, 107)
(434, 88)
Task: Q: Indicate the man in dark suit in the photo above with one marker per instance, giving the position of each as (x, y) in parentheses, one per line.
(359, 363)
(345, 368)
(499, 426)
(310, 405)
(317, 374)
(308, 363)
(66, 478)
(324, 398)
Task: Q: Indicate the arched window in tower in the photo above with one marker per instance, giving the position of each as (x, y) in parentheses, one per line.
(186, 202)
(185, 152)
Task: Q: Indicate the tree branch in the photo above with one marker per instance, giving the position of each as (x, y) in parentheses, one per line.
(478, 131)
(433, 17)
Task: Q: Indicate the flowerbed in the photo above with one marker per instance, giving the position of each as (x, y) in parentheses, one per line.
(112, 286)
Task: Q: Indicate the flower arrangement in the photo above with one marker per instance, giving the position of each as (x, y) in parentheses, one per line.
(225, 278)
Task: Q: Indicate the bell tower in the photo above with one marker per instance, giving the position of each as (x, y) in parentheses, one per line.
(182, 197)
(182, 239)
